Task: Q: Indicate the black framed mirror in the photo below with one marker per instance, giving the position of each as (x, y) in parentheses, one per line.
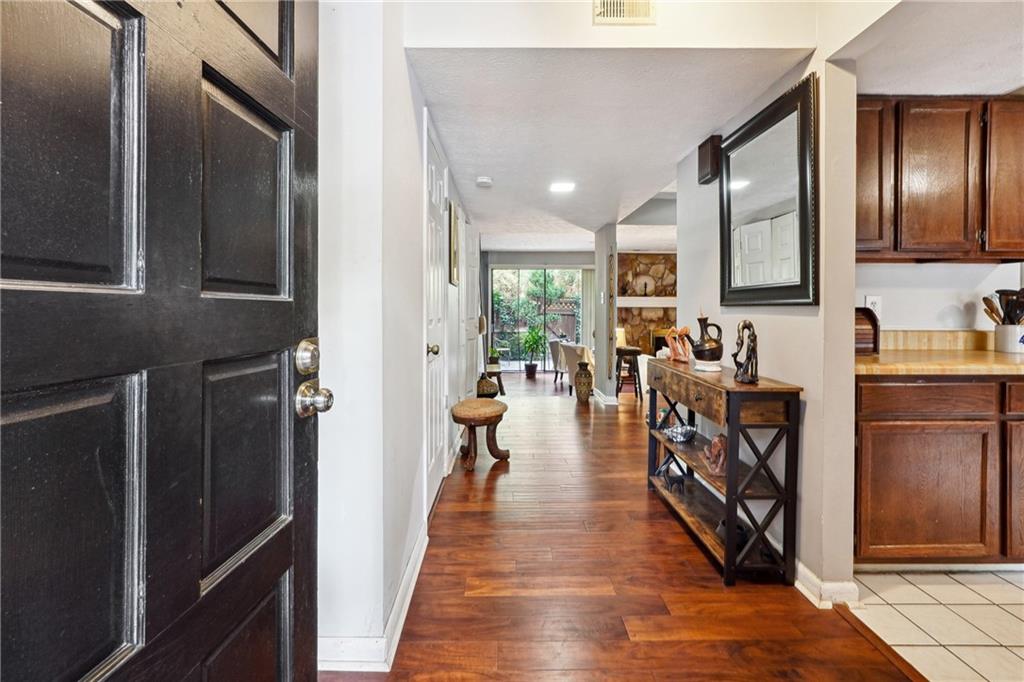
(768, 204)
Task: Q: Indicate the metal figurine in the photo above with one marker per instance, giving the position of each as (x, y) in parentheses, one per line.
(746, 371)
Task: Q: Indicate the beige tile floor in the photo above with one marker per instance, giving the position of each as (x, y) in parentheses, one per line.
(950, 626)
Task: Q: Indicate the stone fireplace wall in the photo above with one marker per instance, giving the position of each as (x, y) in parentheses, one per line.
(640, 323)
(635, 269)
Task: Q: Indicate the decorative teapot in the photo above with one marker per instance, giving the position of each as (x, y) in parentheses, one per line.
(707, 348)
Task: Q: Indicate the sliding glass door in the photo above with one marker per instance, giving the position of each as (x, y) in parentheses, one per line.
(549, 300)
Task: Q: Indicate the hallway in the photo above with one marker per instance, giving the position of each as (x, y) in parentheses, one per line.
(560, 565)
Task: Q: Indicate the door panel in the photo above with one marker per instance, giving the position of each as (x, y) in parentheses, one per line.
(1015, 490)
(245, 453)
(267, 21)
(939, 192)
(1005, 210)
(784, 251)
(154, 400)
(77, 222)
(950, 470)
(875, 158)
(246, 164)
(436, 177)
(253, 650)
(89, 557)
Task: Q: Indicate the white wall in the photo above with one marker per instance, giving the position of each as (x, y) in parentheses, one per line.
(808, 346)
(350, 527)
(402, 283)
(934, 295)
(604, 247)
(462, 338)
(372, 520)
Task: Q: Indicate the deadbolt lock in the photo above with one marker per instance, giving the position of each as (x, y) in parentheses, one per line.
(311, 399)
(307, 356)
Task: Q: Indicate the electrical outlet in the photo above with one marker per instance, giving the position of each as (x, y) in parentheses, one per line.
(875, 303)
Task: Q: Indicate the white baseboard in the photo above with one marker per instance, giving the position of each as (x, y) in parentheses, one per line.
(453, 453)
(936, 568)
(824, 593)
(375, 654)
(605, 400)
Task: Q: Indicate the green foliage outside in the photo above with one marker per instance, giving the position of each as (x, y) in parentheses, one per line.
(518, 300)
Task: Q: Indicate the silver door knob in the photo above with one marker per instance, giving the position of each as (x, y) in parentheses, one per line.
(434, 349)
(311, 399)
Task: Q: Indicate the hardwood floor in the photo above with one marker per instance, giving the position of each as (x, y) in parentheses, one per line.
(558, 564)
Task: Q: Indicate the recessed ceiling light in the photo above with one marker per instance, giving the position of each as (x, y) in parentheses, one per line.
(562, 187)
(738, 184)
(484, 181)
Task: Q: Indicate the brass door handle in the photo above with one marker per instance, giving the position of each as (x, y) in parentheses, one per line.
(310, 399)
(433, 349)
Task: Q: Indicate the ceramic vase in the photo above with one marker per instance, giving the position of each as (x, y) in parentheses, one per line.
(584, 382)
(485, 387)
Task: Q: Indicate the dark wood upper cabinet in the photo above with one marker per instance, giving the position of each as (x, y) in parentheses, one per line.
(1004, 224)
(940, 178)
(876, 139)
(938, 175)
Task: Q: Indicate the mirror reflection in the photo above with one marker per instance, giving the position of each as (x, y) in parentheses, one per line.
(764, 184)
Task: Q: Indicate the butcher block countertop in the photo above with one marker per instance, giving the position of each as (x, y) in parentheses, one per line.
(964, 362)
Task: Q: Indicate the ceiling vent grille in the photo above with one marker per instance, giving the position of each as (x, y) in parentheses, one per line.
(623, 12)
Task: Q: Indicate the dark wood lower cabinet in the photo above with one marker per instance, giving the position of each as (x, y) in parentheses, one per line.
(929, 489)
(939, 480)
(1015, 490)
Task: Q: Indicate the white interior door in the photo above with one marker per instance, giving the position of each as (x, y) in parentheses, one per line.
(436, 271)
(785, 257)
(755, 253)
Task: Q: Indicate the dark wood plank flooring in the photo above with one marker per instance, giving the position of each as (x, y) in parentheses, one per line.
(560, 565)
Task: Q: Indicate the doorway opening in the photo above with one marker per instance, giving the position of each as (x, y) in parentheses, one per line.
(551, 300)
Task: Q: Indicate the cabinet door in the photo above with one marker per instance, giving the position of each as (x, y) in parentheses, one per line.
(1005, 177)
(876, 154)
(1015, 490)
(928, 490)
(939, 191)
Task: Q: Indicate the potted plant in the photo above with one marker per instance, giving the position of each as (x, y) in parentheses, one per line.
(492, 356)
(533, 343)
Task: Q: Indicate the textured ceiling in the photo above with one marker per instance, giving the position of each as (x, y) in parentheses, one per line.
(614, 121)
(942, 48)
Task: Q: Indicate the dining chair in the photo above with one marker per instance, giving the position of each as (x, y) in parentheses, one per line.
(555, 345)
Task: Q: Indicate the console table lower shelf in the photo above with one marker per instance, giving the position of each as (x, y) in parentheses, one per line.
(719, 510)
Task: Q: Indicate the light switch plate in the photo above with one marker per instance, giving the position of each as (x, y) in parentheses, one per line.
(875, 303)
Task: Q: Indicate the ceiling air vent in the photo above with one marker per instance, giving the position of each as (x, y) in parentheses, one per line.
(623, 11)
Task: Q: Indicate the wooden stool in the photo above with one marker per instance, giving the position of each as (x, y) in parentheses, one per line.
(494, 372)
(475, 412)
(627, 355)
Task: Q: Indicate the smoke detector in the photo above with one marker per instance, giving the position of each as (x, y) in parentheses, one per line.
(484, 181)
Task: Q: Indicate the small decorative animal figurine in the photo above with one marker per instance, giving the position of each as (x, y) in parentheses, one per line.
(746, 371)
(716, 454)
(678, 345)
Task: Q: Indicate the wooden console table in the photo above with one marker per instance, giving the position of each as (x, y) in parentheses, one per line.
(702, 500)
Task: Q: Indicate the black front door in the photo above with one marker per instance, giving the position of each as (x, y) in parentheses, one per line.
(158, 243)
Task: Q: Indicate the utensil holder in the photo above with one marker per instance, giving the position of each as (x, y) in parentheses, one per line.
(1010, 338)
